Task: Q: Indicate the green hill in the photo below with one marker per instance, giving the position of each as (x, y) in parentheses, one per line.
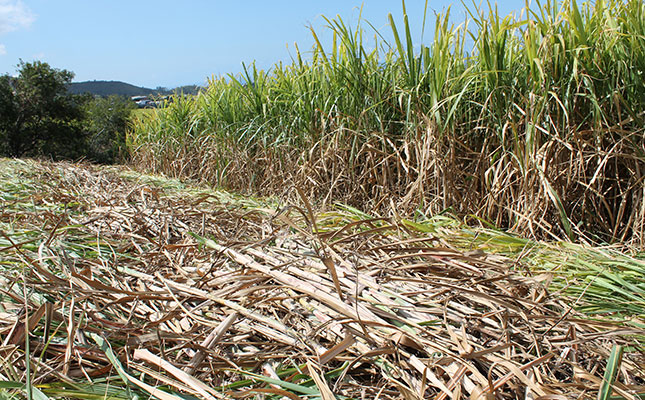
(107, 88)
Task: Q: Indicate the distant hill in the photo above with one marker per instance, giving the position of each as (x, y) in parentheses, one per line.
(108, 88)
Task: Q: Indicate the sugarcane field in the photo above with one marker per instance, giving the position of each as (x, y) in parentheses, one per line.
(460, 216)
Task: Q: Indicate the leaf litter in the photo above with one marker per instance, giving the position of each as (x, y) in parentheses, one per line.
(116, 284)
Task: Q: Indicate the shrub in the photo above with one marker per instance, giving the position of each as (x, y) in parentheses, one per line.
(106, 120)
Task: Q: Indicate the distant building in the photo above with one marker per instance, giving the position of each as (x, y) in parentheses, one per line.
(147, 102)
(144, 102)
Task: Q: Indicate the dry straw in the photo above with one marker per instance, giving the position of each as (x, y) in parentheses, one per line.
(118, 285)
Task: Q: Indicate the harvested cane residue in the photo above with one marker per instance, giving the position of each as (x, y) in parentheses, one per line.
(151, 285)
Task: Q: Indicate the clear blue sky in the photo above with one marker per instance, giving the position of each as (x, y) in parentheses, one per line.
(171, 43)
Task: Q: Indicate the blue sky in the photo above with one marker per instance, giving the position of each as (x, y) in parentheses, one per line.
(171, 43)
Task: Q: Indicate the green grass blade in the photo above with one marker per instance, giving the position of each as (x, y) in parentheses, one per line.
(613, 367)
(35, 392)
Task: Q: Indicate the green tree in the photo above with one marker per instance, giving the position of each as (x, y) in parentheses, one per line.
(38, 117)
(106, 120)
(8, 112)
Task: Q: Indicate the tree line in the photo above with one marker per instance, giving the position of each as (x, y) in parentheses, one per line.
(40, 118)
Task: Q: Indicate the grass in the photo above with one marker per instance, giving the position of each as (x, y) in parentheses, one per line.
(532, 122)
(140, 285)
